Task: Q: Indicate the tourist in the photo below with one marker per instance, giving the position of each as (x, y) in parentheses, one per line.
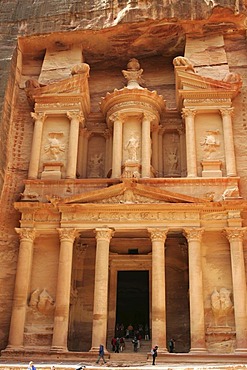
(146, 332)
(117, 346)
(135, 343)
(171, 345)
(154, 353)
(113, 344)
(31, 366)
(122, 344)
(101, 354)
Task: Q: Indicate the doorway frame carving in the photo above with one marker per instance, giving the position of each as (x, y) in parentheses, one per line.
(126, 262)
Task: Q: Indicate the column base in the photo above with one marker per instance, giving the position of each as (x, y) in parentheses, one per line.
(11, 348)
(58, 349)
(198, 350)
(240, 350)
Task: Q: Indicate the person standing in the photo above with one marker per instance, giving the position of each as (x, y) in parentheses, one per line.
(101, 354)
(171, 345)
(31, 366)
(154, 353)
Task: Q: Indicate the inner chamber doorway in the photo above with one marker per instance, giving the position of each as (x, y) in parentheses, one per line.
(132, 299)
(177, 292)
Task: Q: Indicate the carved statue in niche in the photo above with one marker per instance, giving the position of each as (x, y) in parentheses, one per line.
(221, 305)
(54, 147)
(42, 302)
(96, 165)
(210, 142)
(172, 156)
(132, 148)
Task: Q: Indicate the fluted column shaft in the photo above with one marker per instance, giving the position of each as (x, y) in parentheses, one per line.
(36, 145)
(75, 119)
(197, 324)
(61, 316)
(189, 115)
(158, 237)
(228, 141)
(146, 147)
(235, 237)
(103, 237)
(22, 283)
(107, 152)
(117, 148)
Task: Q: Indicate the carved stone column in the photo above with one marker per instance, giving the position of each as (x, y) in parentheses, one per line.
(146, 146)
(155, 149)
(61, 316)
(117, 147)
(197, 325)
(189, 115)
(235, 237)
(158, 237)
(36, 145)
(75, 119)
(22, 284)
(228, 141)
(103, 237)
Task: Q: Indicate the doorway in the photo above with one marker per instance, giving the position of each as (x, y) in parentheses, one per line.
(177, 293)
(132, 299)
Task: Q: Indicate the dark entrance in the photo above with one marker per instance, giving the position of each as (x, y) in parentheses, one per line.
(177, 292)
(132, 298)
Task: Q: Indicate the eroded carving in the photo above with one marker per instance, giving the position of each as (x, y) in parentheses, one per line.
(231, 193)
(210, 143)
(54, 147)
(42, 302)
(221, 305)
(132, 147)
(96, 165)
(183, 62)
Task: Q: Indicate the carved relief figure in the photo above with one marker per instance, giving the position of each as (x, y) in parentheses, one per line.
(96, 165)
(42, 302)
(210, 142)
(132, 147)
(54, 147)
(172, 161)
(221, 305)
(230, 193)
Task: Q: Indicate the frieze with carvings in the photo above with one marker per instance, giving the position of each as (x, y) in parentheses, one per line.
(130, 216)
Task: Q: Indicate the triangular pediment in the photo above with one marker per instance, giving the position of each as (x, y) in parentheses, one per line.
(188, 80)
(130, 192)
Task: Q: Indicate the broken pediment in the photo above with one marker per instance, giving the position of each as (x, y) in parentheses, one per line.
(130, 192)
(74, 89)
(191, 85)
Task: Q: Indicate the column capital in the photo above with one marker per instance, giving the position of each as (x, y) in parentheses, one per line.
(148, 117)
(227, 112)
(116, 117)
(67, 234)
(26, 233)
(193, 233)
(104, 233)
(188, 112)
(76, 116)
(38, 116)
(234, 233)
(158, 234)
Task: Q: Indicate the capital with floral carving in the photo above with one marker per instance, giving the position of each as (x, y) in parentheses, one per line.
(158, 234)
(104, 233)
(193, 233)
(235, 233)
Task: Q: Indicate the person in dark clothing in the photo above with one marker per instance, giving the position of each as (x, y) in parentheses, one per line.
(171, 345)
(154, 353)
(101, 354)
(135, 343)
